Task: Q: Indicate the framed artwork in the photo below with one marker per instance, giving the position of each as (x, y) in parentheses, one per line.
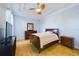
(30, 26)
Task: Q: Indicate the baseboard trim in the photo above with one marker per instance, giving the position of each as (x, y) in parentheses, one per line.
(76, 47)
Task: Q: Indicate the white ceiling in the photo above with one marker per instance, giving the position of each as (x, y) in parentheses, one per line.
(53, 7)
(22, 9)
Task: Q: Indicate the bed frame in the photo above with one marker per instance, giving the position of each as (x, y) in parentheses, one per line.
(35, 40)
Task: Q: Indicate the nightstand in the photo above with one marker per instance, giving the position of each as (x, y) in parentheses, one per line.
(67, 41)
(28, 33)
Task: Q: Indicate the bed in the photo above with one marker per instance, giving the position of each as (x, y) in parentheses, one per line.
(41, 41)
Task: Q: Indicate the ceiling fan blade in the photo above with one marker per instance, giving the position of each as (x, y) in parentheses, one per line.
(32, 9)
(39, 13)
(38, 4)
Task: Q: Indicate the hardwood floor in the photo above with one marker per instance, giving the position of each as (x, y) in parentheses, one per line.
(23, 48)
(77, 50)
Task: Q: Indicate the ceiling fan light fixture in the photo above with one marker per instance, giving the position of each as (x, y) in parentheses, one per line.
(38, 10)
(42, 7)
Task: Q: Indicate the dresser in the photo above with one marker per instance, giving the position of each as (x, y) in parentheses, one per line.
(67, 41)
(28, 33)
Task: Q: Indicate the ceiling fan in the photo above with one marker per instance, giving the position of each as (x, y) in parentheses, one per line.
(39, 9)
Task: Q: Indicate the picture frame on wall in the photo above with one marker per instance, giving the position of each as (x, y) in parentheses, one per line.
(30, 26)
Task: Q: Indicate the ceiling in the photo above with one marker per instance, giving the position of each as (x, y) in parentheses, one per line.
(22, 9)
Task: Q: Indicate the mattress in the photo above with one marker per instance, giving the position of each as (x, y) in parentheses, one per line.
(46, 38)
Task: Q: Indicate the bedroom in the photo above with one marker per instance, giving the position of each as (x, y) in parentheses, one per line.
(61, 16)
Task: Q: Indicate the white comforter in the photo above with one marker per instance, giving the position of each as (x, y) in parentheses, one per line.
(46, 38)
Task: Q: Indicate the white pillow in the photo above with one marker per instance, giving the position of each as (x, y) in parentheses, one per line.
(48, 32)
(55, 31)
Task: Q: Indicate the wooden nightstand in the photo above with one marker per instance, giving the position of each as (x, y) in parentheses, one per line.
(67, 41)
(28, 33)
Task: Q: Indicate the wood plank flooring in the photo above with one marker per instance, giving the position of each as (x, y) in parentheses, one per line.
(23, 48)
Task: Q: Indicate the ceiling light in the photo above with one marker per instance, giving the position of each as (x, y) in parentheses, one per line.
(42, 6)
(38, 10)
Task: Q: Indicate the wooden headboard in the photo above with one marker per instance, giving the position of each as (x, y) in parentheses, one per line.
(54, 30)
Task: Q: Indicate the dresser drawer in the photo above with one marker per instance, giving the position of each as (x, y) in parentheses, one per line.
(67, 41)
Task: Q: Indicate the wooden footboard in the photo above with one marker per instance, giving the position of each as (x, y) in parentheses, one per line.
(35, 41)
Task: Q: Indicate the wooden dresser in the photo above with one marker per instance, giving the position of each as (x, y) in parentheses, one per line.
(28, 33)
(67, 41)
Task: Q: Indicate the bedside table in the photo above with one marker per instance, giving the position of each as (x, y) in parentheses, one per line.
(28, 33)
(67, 41)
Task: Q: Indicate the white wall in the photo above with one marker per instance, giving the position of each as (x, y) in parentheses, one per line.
(67, 21)
(2, 20)
(21, 25)
(2, 14)
(48, 22)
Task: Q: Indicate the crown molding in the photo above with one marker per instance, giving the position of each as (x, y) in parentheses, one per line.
(61, 10)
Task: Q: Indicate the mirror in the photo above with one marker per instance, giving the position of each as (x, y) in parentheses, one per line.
(30, 26)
